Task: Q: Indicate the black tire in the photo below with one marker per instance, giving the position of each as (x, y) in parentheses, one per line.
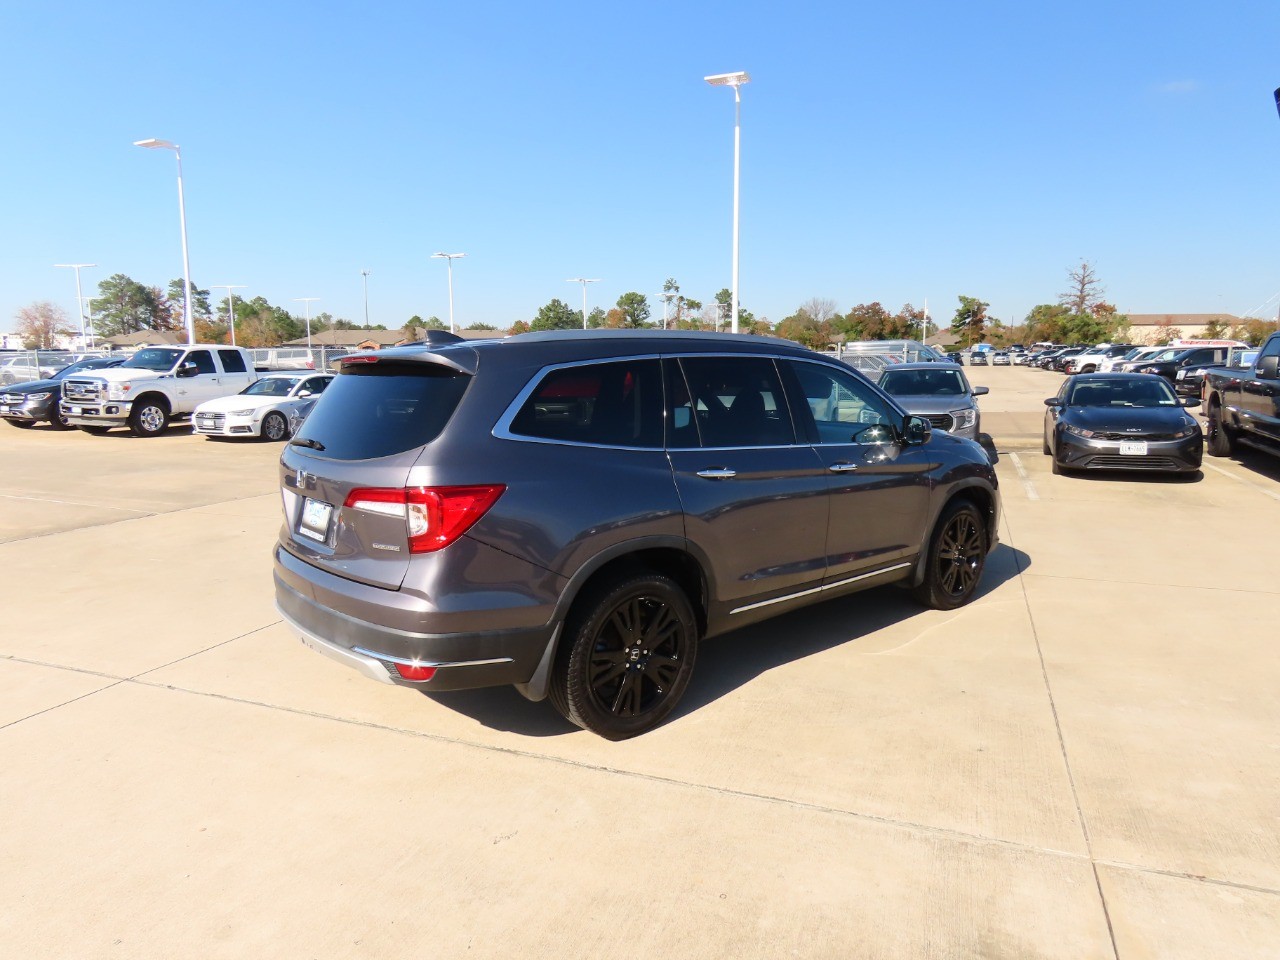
(957, 555)
(96, 431)
(274, 427)
(58, 421)
(1221, 441)
(1044, 442)
(1057, 468)
(148, 418)
(21, 424)
(626, 656)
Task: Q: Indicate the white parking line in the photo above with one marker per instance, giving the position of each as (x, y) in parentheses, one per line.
(1022, 475)
(71, 503)
(1227, 473)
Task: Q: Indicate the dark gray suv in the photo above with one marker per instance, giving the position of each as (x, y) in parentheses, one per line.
(572, 512)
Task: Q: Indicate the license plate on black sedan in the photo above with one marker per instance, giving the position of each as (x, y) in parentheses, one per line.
(1133, 448)
(316, 516)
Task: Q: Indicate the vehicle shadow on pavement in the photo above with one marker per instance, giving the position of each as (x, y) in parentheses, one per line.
(1255, 461)
(734, 659)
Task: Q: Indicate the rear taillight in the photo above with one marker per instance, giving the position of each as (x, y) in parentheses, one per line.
(434, 516)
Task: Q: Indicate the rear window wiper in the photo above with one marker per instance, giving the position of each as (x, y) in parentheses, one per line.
(306, 442)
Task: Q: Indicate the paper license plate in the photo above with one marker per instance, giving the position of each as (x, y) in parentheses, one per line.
(1180, 375)
(315, 519)
(1133, 448)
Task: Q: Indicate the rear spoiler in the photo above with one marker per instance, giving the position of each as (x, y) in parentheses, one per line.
(459, 360)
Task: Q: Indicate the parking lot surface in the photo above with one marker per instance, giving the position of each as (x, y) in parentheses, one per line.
(1083, 763)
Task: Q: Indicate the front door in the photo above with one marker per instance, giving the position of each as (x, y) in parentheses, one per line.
(879, 485)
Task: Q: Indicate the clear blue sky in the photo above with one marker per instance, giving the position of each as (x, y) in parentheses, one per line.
(892, 152)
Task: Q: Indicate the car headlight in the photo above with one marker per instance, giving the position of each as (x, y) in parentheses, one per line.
(39, 396)
(116, 391)
(1190, 430)
(1078, 431)
(241, 413)
(964, 418)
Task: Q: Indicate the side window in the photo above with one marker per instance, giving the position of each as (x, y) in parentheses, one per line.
(203, 360)
(316, 385)
(736, 402)
(1270, 349)
(844, 408)
(232, 361)
(616, 404)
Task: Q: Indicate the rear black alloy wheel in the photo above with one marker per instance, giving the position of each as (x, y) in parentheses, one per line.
(274, 426)
(1221, 443)
(957, 555)
(626, 656)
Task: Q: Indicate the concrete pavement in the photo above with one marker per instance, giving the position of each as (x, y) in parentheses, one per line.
(1082, 763)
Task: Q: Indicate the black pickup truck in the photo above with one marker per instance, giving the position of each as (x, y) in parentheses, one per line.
(1243, 406)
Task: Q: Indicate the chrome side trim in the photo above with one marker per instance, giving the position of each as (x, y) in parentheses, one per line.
(825, 586)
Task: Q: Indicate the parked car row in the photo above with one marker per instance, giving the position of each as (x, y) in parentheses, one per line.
(218, 387)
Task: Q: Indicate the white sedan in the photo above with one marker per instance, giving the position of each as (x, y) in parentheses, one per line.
(261, 409)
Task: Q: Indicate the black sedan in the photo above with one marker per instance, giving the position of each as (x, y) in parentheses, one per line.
(26, 404)
(1121, 421)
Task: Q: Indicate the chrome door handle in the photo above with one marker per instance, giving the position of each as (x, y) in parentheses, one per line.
(842, 467)
(717, 473)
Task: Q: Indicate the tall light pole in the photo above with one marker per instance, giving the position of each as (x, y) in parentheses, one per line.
(182, 221)
(231, 305)
(308, 301)
(735, 80)
(450, 257)
(77, 267)
(584, 281)
(364, 277)
(667, 296)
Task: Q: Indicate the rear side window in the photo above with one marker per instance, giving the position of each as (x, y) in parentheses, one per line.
(617, 404)
(736, 402)
(232, 361)
(383, 409)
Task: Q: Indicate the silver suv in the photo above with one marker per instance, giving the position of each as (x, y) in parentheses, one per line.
(572, 512)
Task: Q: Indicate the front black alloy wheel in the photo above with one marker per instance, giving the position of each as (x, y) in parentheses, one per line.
(626, 656)
(58, 421)
(957, 555)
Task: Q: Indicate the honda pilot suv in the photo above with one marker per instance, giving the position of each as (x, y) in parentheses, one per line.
(572, 512)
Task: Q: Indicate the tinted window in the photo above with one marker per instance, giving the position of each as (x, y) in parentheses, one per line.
(270, 387)
(382, 409)
(1136, 392)
(615, 404)
(923, 383)
(737, 402)
(1270, 349)
(316, 384)
(153, 358)
(844, 408)
(232, 361)
(203, 360)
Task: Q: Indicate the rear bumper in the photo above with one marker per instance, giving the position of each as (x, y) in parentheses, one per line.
(463, 661)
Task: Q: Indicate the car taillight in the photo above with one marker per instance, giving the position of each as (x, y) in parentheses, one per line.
(434, 516)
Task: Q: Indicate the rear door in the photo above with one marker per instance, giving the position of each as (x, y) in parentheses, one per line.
(365, 433)
(879, 486)
(1260, 399)
(754, 498)
(236, 375)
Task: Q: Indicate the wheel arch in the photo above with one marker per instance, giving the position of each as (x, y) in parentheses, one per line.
(154, 396)
(983, 500)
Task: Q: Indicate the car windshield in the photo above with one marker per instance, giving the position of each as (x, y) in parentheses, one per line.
(271, 387)
(923, 383)
(153, 358)
(93, 363)
(1164, 355)
(1142, 392)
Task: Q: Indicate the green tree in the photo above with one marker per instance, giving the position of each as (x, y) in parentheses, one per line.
(482, 326)
(635, 309)
(970, 321)
(124, 305)
(596, 318)
(556, 315)
(520, 326)
(805, 329)
(746, 319)
(866, 321)
(1044, 323)
(1215, 329)
(199, 304)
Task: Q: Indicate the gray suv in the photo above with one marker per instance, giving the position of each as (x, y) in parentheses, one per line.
(571, 512)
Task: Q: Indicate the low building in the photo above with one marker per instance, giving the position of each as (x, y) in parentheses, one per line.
(144, 338)
(1153, 327)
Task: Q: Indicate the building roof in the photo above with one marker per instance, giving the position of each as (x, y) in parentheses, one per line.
(147, 338)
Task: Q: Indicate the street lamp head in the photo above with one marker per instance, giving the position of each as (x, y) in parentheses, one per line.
(447, 256)
(154, 144)
(582, 280)
(736, 79)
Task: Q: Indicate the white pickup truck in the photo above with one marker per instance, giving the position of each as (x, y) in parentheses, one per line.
(155, 386)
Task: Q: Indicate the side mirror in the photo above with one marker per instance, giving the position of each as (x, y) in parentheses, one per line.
(188, 369)
(980, 391)
(1266, 369)
(916, 430)
(1190, 401)
(1053, 402)
(304, 393)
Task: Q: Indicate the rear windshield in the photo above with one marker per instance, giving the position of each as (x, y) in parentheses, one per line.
(383, 409)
